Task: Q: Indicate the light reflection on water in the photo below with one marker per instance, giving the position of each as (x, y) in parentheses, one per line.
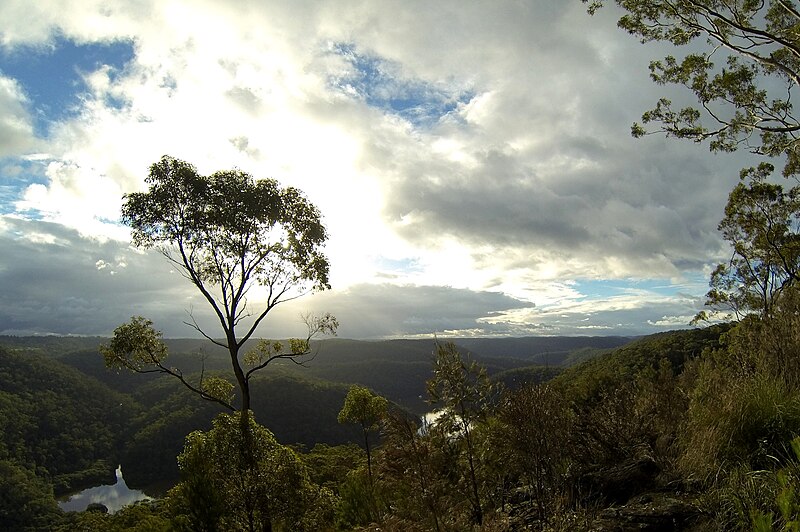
(112, 497)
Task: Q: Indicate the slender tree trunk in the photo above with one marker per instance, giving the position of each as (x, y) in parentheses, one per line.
(241, 379)
(427, 496)
(369, 456)
(248, 459)
(472, 476)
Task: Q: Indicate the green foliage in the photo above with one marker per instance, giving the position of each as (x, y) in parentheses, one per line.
(770, 345)
(295, 349)
(744, 397)
(238, 477)
(521, 377)
(357, 505)
(416, 470)
(745, 401)
(586, 382)
(744, 420)
(401, 381)
(621, 442)
(658, 414)
(263, 351)
(542, 350)
(330, 465)
(363, 407)
(297, 410)
(465, 394)
(302, 410)
(56, 422)
(169, 414)
(228, 232)
(531, 439)
(763, 500)
(218, 388)
(460, 388)
(788, 500)
(746, 101)
(742, 495)
(136, 346)
(744, 409)
(139, 517)
(229, 228)
(26, 502)
(761, 224)
(366, 409)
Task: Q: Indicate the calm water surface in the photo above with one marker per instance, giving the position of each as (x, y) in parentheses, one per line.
(112, 497)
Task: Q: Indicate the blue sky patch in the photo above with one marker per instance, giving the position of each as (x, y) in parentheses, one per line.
(404, 266)
(610, 288)
(16, 175)
(51, 79)
(380, 84)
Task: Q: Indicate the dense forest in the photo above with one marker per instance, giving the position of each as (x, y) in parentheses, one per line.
(68, 420)
(689, 429)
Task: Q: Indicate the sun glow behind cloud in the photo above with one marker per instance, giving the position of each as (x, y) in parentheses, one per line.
(488, 154)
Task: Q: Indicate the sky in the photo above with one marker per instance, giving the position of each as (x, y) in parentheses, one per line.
(472, 161)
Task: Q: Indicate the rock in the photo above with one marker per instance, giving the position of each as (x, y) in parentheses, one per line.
(651, 512)
(97, 507)
(617, 483)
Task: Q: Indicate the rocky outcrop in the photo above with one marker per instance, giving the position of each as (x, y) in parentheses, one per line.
(616, 484)
(652, 512)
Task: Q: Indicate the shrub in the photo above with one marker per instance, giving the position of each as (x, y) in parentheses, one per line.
(235, 479)
(747, 421)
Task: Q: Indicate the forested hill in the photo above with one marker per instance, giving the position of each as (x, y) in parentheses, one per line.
(554, 350)
(397, 369)
(526, 347)
(642, 427)
(57, 383)
(56, 421)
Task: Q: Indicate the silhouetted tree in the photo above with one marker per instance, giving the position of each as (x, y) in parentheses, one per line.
(226, 233)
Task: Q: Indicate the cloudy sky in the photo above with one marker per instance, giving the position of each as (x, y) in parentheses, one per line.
(472, 161)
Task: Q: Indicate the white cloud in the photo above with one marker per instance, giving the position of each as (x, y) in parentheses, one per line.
(16, 125)
(527, 180)
(77, 197)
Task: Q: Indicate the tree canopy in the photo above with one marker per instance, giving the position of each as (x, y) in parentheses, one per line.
(222, 489)
(464, 393)
(743, 76)
(761, 224)
(226, 233)
(363, 407)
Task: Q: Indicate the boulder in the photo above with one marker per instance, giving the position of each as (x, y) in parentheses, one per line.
(97, 507)
(651, 512)
(616, 484)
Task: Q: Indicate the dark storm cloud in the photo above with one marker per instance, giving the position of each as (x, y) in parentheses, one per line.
(57, 282)
(650, 207)
(504, 203)
(386, 310)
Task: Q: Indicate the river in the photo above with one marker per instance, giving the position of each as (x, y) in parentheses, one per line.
(113, 497)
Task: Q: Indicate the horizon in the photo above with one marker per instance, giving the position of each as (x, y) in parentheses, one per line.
(336, 338)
